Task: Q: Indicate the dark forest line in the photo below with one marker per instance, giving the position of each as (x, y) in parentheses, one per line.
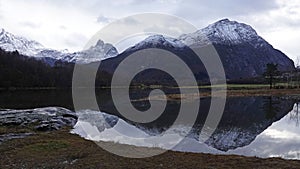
(24, 72)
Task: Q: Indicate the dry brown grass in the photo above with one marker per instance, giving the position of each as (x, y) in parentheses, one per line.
(60, 149)
(229, 93)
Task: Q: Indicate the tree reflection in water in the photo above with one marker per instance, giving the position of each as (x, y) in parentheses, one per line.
(294, 115)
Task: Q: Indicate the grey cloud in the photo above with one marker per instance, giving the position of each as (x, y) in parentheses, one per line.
(166, 29)
(1, 15)
(280, 23)
(200, 13)
(289, 22)
(130, 21)
(183, 8)
(208, 9)
(63, 27)
(76, 40)
(30, 24)
(228, 7)
(104, 19)
(163, 30)
(127, 21)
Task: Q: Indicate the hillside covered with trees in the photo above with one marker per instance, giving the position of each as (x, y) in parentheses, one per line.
(22, 71)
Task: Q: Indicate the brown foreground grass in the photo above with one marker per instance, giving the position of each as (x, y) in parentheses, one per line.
(60, 149)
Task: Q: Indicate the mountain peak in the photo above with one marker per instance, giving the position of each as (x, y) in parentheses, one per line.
(227, 23)
(224, 31)
(10, 42)
(231, 29)
(224, 20)
(2, 31)
(157, 41)
(100, 43)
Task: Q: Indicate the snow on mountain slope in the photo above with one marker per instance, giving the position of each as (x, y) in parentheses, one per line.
(10, 42)
(155, 40)
(95, 53)
(224, 32)
(221, 32)
(243, 52)
(100, 51)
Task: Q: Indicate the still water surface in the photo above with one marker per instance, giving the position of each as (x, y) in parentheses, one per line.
(251, 126)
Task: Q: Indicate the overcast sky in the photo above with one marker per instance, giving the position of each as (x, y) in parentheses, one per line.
(68, 24)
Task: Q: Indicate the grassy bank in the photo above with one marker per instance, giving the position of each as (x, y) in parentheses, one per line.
(291, 93)
(59, 149)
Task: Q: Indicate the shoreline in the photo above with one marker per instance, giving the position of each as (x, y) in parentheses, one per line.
(291, 93)
(62, 149)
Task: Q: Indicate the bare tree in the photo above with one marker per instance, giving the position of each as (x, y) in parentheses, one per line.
(270, 72)
(294, 115)
(297, 64)
(297, 71)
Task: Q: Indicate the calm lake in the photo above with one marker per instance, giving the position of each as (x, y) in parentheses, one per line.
(251, 126)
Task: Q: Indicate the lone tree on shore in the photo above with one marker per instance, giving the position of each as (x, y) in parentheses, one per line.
(270, 72)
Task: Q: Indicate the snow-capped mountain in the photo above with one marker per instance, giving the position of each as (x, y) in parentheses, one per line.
(160, 40)
(243, 52)
(95, 53)
(100, 51)
(224, 32)
(10, 42)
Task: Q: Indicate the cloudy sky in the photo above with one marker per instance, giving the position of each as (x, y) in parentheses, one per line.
(68, 24)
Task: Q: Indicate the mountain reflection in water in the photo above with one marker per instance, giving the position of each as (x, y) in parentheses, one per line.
(251, 126)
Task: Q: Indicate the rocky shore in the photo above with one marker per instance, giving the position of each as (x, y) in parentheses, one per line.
(34, 120)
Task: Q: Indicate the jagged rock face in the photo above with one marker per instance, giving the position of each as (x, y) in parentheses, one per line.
(155, 76)
(10, 42)
(224, 32)
(95, 53)
(44, 119)
(243, 52)
(100, 51)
